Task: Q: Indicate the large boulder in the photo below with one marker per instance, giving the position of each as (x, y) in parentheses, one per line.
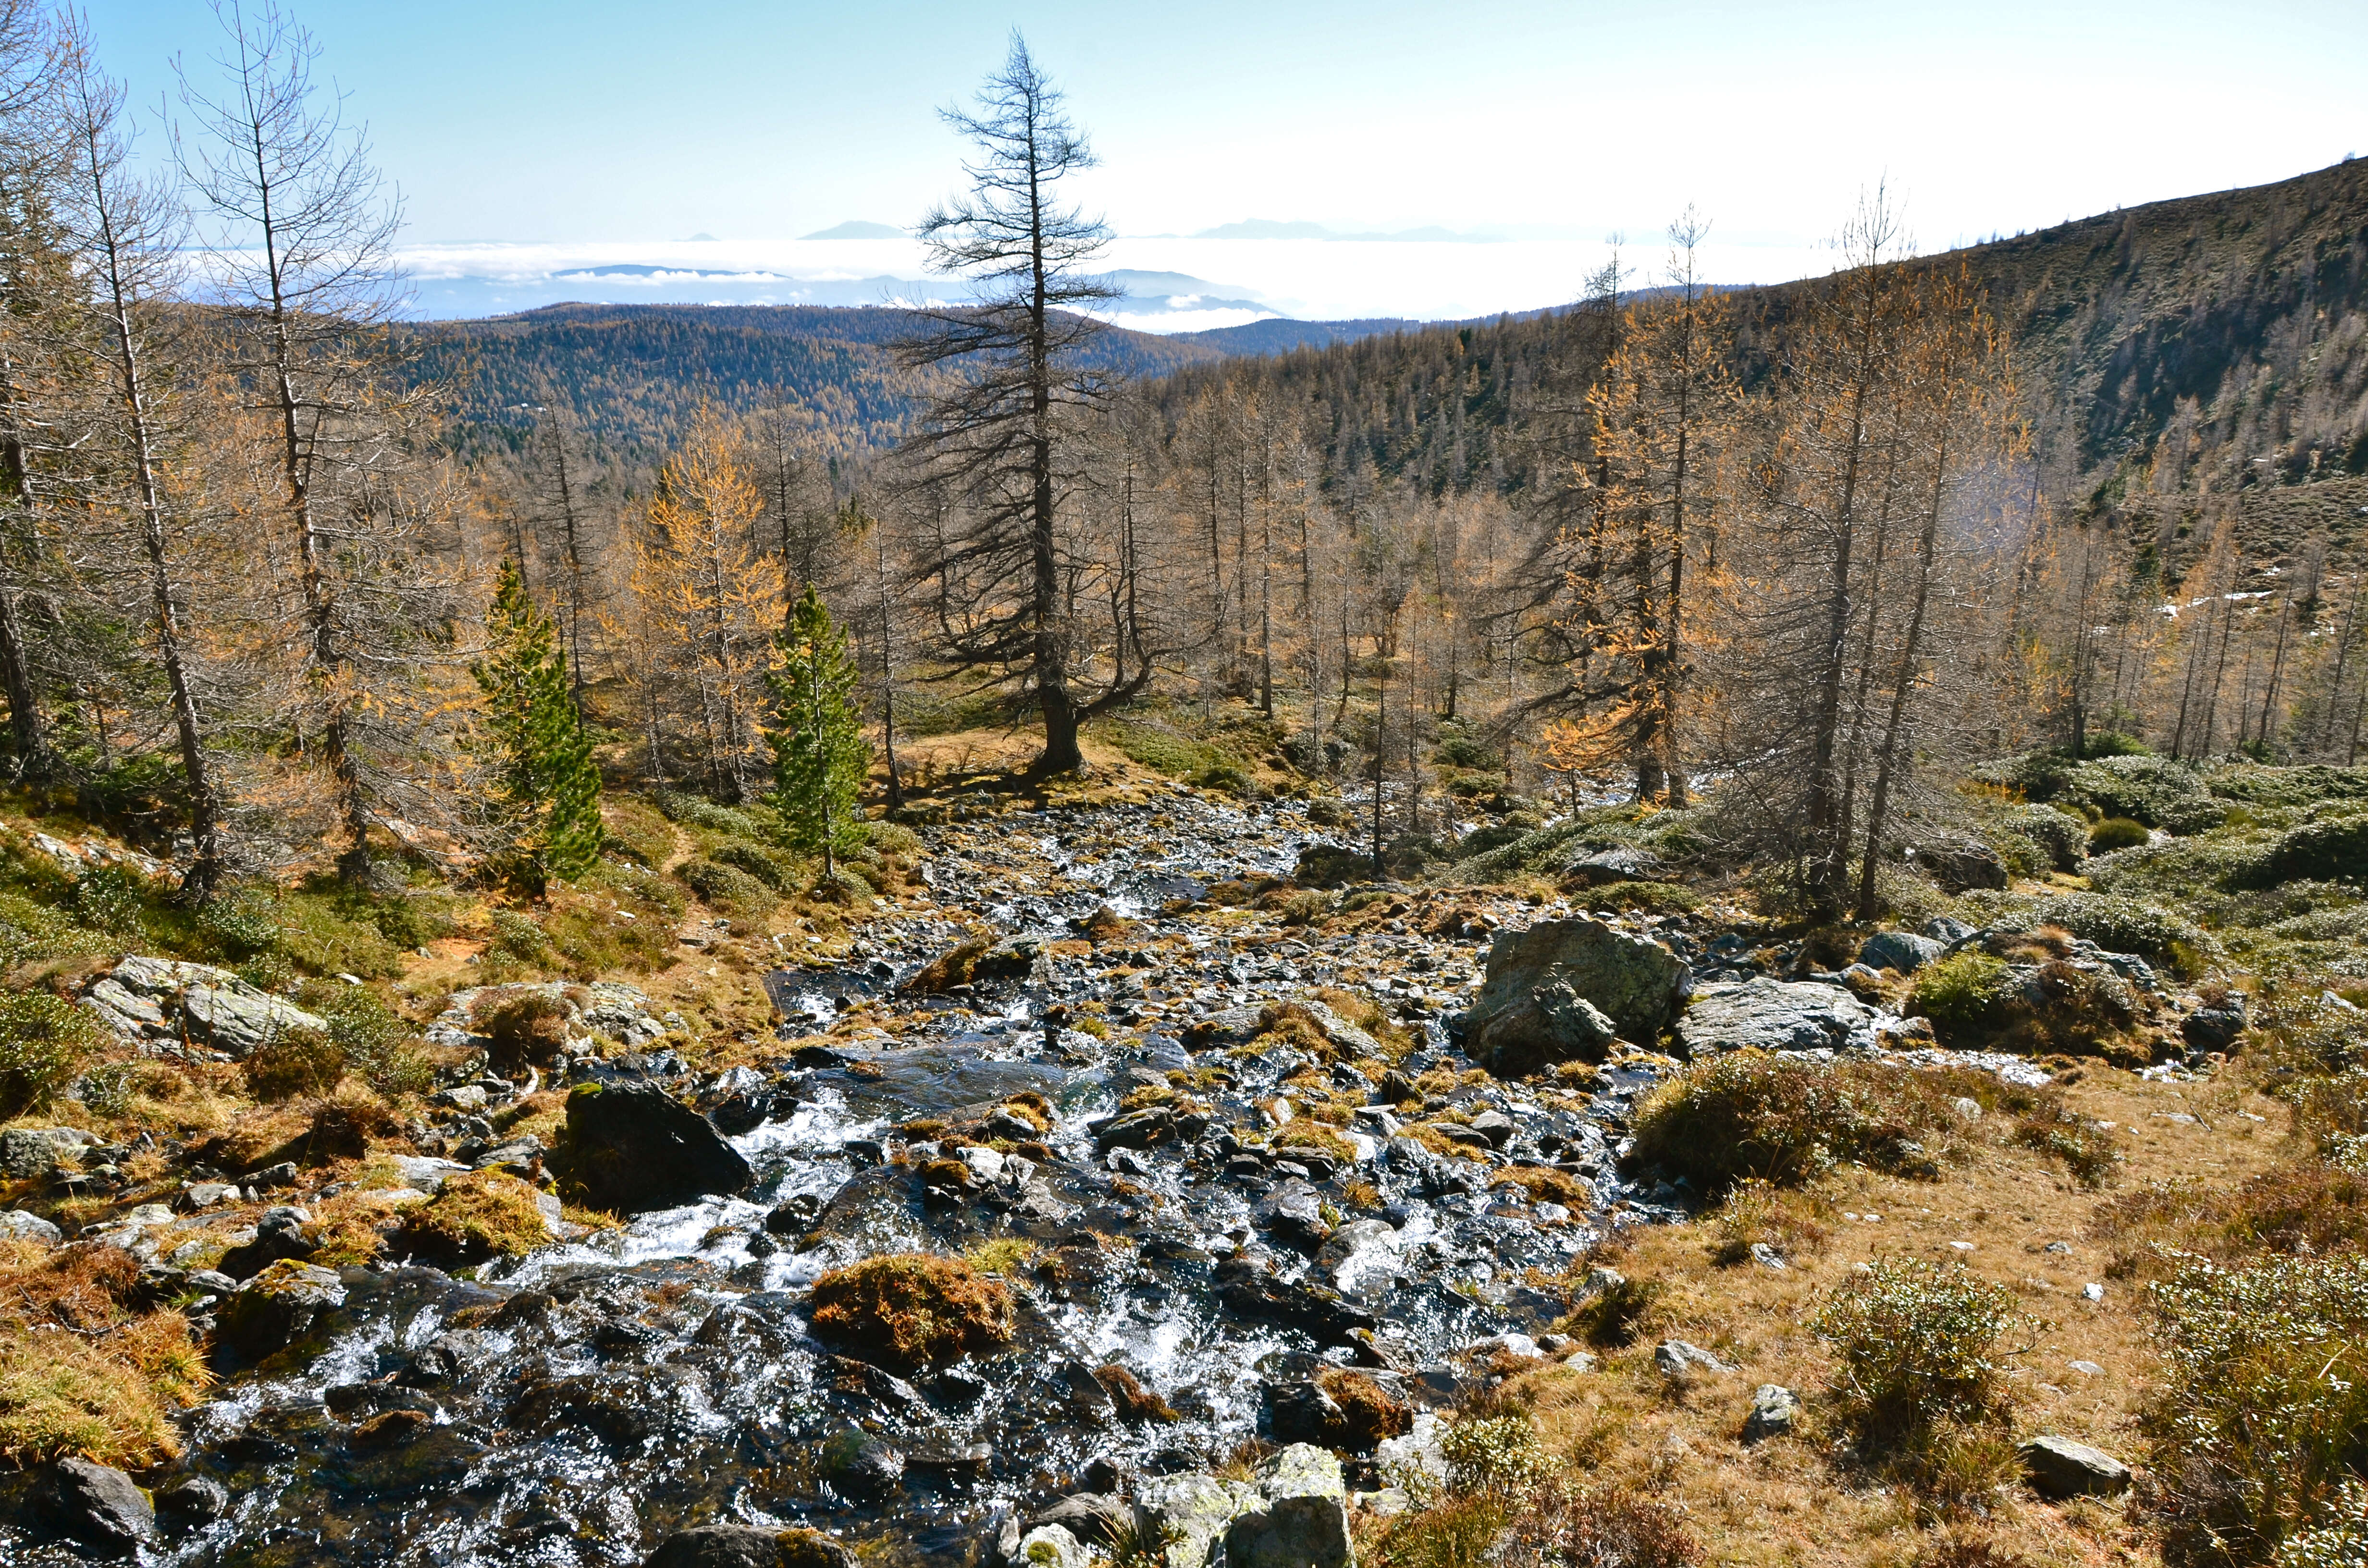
(1901, 950)
(279, 1306)
(2058, 1467)
(1303, 1517)
(1959, 865)
(149, 998)
(94, 1504)
(1775, 1015)
(630, 1148)
(1622, 863)
(1565, 989)
(1191, 1514)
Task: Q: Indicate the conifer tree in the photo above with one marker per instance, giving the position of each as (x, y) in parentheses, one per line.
(545, 774)
(819, 753)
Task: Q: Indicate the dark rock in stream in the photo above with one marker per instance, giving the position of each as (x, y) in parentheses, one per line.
(277, 1308)
(632, 1147)
(93, 1504)
(741, 1546)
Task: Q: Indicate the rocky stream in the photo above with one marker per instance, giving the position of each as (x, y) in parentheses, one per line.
(1102, 1109)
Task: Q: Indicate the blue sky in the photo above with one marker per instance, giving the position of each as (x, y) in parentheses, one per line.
(598, 121)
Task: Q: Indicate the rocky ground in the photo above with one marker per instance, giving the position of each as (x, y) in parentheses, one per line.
(1243, 1177)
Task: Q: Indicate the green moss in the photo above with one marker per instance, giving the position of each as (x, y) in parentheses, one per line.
(1966, 995)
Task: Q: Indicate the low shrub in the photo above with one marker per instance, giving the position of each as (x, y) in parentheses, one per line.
(693, 810)
(1614, 1315)
(1917, 1353)
(2332, 848)
(911, 1310)
(2121, 925)
(1786, 1120)
(727, 888)
(1498, 1453)
(1369, 1412)
(2118, 833)
(2057, 840)
(1966, 995)
(2263, 1416)
(1657, 898)
(634, 828)
(776, 870)
(1599, 1524)
(45, 1041)
(299, 1063)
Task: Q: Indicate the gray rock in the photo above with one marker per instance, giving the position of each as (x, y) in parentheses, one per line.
(633, 1148)
(1959, 865)
(1496, 1127)
(1901, 950)
(1676, 1358)
(1417, 1460)
(1191, 1514)
(862, 1467)
(1093, 1518)
(1361, 1256)
(197, 1500)
(28, 1151)
(1564, 990)
(95, 1505)
(19, 1226)
(1621, 864)
(1294, 1212)
(1775, 1410)
(1303, 1521)
(1775, 1015)
(1051, 1547)
(2058, 1467)
(279, 1306)
(215, 1006)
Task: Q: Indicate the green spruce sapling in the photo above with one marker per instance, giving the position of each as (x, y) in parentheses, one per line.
(819, 752)
(545, 779)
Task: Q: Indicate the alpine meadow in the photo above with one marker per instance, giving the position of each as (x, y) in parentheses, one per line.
(1718, 922)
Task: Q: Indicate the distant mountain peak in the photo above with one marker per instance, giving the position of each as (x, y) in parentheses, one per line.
(856, 229)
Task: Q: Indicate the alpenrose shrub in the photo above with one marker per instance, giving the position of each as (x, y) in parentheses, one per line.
(1916, 1348)
(911, 1310)
(2263, 1416)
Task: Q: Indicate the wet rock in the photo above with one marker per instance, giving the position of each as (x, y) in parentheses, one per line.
(1495, 1126)
(93, 1504)
(1775, 1410)
(1901, 950)
(959, 1464)
(1303, 1517)
(2058, 1468)
(862, 1467)
(632, 1148)
(1678, 1359)
(279, 1306)
(195, 1501)
(278, 1236)
(16, 1225)
(1361, 1255)
(1144, 1129)
(1776, 1015)
(1246, 1289)
(740, 1546)
(1552, 989)
(1094, 1518)
(1293, 1212)
(1191, 1513)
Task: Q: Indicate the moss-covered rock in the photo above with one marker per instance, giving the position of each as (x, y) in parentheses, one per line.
(909, 1311)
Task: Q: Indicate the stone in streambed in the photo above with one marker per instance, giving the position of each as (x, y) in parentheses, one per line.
(632, 1148)
(740, 1546)
(1190, 1514)
(1303, 1520)
(95, 1505)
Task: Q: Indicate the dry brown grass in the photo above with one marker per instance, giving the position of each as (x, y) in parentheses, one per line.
(85, 1367)
(1796, 1500)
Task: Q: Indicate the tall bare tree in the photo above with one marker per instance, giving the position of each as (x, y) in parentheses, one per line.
(304, 269)
(1003, 433)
